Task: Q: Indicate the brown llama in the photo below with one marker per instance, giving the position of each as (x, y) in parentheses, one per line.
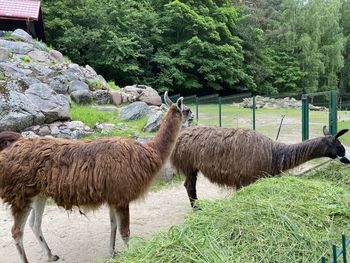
(238, 157)
(83, 174)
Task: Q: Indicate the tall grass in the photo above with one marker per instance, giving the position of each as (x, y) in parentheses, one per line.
(285, 219)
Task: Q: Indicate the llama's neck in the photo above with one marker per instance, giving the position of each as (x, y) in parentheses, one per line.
(165, 138)
(289, 156)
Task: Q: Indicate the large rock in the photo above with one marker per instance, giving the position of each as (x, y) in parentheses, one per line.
(116, 98)
(135, 110)
(81, 96)
(18, 112)
(57, 56)
(102, 97)
(154, 122)
(52, 105)
(77, 85)
(16, 47)
(23, 35)
(59, 84)
(40, 56)
(144, 93)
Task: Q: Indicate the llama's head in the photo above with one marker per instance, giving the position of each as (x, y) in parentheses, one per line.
(334, 148)
(187, 115)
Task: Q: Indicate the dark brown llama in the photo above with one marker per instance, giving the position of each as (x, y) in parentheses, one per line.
(115, 171)
(238, 157)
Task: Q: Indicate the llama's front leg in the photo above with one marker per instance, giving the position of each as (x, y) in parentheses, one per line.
(20, 216)
(35, 224)
(112, 216)
(123, 217)
(190, 185)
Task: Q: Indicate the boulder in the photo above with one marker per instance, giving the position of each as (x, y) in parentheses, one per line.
(23, 35)
(57, 56)
(81, 96)
(154, 122)
(51, 104)
(97, 83)
(39, 56)
(17, 112)
(135, 110)
(144, 93)
(76, 85)
(59, 84)
(16, 47)
(102, 97)
(116, 98)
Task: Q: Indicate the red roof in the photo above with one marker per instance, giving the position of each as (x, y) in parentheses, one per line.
(19, 9)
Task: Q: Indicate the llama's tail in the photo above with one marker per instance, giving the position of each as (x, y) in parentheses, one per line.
(7, 138)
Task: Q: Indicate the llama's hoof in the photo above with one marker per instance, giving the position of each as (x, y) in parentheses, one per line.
(196, 208)
(54, 258)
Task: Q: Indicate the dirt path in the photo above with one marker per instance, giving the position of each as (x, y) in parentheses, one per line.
(77, 239)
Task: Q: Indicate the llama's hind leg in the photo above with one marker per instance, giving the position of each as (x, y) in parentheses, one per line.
(190, 184)
(35, 224)
(123, 217)
(112, 216)
(20, 216)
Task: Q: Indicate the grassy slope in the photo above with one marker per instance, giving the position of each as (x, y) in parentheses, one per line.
(285, 219)
(90, 115)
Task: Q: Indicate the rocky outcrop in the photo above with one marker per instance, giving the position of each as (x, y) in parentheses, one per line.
(35, 83)
(143, 93)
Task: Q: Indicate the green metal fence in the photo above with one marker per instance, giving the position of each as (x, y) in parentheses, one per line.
(341, 253)
(301, 122)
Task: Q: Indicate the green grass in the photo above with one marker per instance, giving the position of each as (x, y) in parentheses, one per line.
(285, 219)
(26, 59)
(267, 120)
(90, 115)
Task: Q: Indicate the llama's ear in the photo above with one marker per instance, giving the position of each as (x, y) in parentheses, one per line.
(326, 131)
(167, 101)
(341, 132)
(180, 104)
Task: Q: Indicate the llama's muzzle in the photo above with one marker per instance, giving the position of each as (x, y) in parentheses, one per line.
(346, 158)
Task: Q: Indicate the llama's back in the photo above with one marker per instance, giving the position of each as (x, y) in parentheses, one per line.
(76, 173)
(226, 156)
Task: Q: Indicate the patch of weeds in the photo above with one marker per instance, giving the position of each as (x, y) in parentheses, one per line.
(9, 55)
(90, 115)
(26, 59)
(95, 84)
(67, 59)
(8, 36)
(113, 86)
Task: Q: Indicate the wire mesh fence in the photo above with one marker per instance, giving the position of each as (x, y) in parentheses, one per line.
(284, 118)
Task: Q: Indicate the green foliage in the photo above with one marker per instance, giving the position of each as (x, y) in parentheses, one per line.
(90, 116)
(207, 46)
(113, 86)
(26, 59)
(284, 219)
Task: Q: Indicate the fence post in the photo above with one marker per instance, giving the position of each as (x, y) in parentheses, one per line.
(197, 102)
(254, 109)
(333, 112)
(219, 100)
(343, 241)
(305, 117)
